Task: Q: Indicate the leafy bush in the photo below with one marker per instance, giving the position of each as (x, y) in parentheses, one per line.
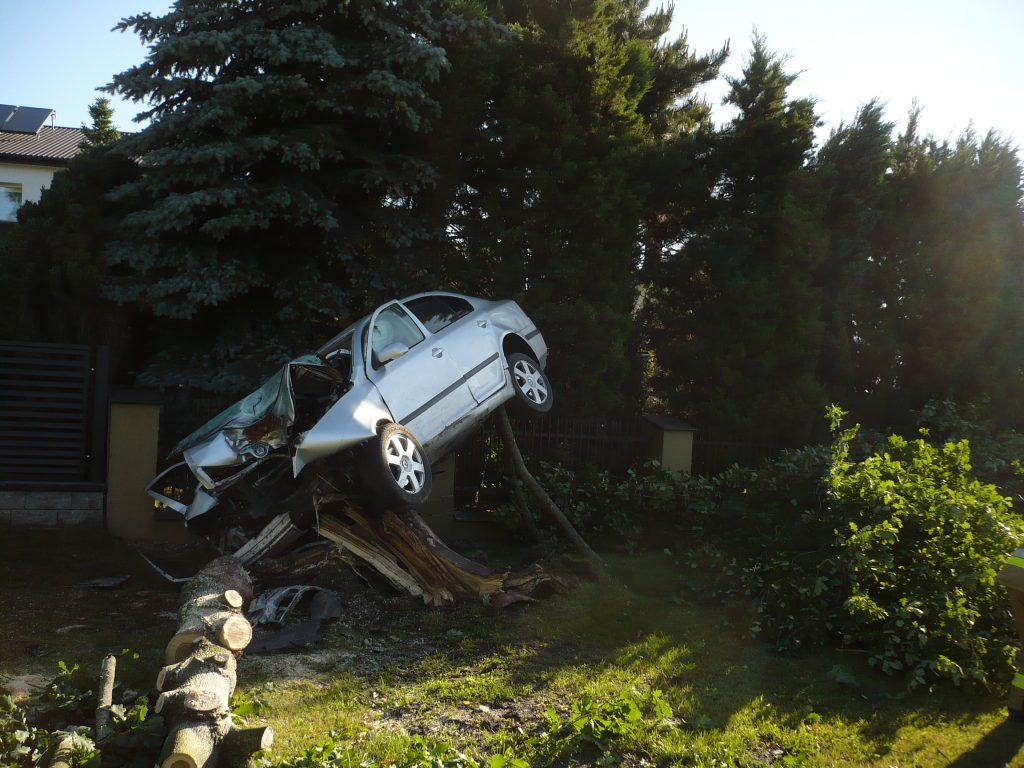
(907, 569)
(21, 743)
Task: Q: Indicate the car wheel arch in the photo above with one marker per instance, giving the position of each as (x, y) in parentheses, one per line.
(512, 342)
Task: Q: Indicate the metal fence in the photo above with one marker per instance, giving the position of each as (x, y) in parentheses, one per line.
(53, 412)
(712, 455)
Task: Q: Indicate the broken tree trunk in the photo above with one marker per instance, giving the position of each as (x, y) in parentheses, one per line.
(211, 607)
(550, 508)
(403, 548)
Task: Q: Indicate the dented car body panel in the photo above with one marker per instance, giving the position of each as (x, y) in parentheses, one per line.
(434, 362)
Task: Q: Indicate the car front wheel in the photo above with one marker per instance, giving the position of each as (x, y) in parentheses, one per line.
(533, 392)
(394, 468)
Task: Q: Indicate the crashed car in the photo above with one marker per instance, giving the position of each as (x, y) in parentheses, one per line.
(371, 411)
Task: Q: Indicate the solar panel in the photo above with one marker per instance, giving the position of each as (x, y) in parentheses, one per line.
(6, 110)
(27, 120)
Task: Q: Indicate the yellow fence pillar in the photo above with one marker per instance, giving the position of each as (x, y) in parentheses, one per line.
(671, 442)
(133, 430)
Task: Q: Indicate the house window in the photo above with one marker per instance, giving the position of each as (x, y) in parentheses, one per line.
(10, 201)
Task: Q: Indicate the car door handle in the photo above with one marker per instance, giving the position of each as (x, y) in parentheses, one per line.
(482, 323)
(437, 351)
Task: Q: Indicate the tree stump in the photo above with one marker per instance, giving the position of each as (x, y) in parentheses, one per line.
(401, 547)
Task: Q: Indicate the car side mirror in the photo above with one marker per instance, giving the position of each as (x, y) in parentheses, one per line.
(392, 351)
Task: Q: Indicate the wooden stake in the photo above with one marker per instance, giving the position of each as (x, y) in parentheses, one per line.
(105, 698)
(546, 504)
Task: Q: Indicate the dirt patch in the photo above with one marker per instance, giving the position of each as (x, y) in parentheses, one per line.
(22, 687)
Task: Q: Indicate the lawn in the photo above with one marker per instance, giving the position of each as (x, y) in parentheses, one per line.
(481, 682)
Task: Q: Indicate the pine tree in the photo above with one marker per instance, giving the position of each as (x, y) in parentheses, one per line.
(282, 169)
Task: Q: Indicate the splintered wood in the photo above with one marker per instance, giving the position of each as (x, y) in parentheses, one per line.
(196, 685)
(406, 552)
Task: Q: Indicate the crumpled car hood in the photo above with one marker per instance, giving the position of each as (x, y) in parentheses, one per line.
(264, 415)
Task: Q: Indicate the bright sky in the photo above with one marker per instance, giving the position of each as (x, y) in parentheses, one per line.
(963, 62)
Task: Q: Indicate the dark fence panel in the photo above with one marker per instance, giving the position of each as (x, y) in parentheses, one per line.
(615, 446)
(53, 414)
(712, 455)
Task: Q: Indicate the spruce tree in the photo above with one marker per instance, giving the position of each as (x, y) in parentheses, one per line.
(283, 163)
(101, 132)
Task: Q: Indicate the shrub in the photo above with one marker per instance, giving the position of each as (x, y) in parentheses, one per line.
(907, 569)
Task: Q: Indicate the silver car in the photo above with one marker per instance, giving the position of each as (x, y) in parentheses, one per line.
(372, 409)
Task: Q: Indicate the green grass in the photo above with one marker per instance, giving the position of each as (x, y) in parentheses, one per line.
(481, 681)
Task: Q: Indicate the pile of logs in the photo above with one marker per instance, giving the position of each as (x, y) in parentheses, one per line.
(197, 683)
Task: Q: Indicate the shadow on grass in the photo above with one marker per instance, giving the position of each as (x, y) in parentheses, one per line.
(997, 748)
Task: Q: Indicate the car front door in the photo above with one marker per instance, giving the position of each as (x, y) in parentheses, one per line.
(422, 386)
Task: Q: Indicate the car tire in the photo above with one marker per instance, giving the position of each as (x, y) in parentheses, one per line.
(394, 468)
(533, 393)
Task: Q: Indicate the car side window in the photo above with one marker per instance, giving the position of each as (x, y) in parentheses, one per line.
(438, 312)
(393, 325)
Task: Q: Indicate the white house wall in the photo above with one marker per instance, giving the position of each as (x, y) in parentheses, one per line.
(32, 178)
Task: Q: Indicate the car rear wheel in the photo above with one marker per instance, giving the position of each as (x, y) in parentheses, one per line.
(533, 393)
(394, 468)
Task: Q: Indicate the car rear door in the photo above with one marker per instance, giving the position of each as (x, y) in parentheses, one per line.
(468, 337)
(424, 388)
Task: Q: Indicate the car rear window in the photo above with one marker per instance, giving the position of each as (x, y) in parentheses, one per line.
(437, 312)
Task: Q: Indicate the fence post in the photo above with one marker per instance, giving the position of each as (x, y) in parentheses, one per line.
(131, 464)
(672, 442)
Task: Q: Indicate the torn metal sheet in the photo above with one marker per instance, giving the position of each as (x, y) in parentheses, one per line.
(367, 414)
(294, 638)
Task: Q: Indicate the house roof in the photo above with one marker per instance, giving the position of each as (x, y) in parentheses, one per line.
(47, 146)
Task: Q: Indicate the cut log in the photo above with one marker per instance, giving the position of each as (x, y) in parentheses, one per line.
(211, 607)
(206, 657)
(195, 701)
(63, 754)
(194, 743)
(240, 744)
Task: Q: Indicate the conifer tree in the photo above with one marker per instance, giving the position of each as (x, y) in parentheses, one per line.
(552, 175)
(850, 175)
(740, 332)
(101, 132)
(282, 168)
